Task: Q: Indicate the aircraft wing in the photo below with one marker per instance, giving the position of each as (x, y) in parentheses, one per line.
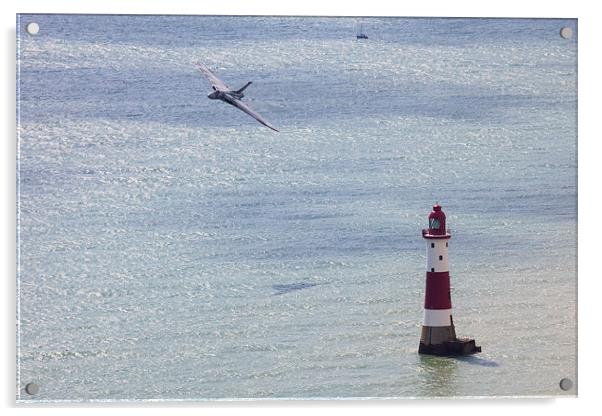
(244, 107)
(217, 83)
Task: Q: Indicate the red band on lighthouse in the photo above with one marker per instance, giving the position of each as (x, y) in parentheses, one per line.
(437, 294)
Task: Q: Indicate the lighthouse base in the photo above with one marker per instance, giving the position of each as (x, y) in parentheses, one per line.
(459, 346)
(442, 340)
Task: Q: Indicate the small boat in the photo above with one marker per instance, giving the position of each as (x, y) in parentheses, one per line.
(361, 34)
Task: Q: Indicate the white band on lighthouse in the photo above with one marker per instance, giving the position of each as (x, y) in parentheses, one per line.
(436, 252)
(437, 317)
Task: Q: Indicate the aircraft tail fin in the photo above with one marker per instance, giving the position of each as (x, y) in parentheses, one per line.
(243, 88)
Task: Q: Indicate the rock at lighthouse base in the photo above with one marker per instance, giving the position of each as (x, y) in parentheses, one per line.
(460, 346)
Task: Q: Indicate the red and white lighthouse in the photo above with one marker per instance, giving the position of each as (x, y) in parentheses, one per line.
(438, 331)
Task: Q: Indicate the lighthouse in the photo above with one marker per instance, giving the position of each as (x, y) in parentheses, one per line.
(438, 332)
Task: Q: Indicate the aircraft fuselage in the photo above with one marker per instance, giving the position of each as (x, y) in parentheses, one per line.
(225, 95)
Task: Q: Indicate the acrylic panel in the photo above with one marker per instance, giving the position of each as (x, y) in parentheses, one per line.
(185, 235)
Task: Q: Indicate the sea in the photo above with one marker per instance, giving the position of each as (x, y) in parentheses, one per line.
(169, 247)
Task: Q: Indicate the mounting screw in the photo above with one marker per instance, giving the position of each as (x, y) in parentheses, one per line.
(566, 384)
(32, 28)
(566, 32)
(32, 388)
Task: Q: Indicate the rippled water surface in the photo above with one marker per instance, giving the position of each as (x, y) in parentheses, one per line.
(170, 247)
